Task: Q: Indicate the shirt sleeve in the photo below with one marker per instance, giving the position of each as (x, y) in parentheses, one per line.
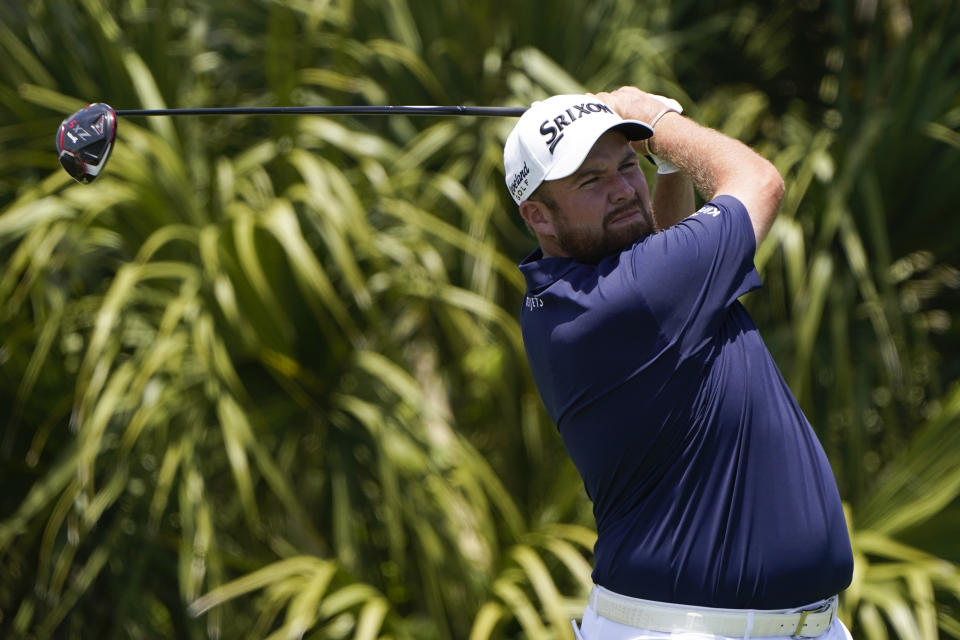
(691, 273)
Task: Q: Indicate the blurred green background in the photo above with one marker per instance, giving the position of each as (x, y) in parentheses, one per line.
(264, 377)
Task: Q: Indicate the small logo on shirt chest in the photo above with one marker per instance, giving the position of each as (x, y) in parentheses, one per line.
(532, 303)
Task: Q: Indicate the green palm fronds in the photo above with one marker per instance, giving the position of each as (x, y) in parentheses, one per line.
(264, 377)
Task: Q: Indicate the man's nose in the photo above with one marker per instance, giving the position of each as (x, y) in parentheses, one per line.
(622, 189)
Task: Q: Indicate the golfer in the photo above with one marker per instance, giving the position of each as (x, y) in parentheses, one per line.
(717, 513)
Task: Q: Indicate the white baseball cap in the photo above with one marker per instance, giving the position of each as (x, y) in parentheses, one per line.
(554, 136)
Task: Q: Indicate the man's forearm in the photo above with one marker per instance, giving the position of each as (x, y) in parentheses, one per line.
(672, 199)
(719, 164)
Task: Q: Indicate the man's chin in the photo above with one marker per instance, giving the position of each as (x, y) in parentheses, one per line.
(613, 245)
(622, 237)
(616, 238)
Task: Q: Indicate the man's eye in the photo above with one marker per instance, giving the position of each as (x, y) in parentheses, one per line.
(588, 182)
(626, 166)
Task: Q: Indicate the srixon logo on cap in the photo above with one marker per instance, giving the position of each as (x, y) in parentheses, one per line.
(552, 129)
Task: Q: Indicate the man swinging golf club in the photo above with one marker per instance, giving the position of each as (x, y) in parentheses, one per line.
(717, 513)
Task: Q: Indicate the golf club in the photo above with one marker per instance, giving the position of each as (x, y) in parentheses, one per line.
(85, 138)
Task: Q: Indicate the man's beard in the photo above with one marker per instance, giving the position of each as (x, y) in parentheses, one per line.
(592, 245)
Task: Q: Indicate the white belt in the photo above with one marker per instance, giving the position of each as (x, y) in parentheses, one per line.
(659, 616)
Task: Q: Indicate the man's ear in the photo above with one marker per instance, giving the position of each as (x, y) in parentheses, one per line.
(537, 216)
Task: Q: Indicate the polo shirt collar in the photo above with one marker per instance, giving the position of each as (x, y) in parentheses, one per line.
(541, 272)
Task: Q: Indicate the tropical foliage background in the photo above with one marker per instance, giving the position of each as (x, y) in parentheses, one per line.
(264, 377)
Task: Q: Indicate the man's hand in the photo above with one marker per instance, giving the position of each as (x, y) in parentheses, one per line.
(632, 103)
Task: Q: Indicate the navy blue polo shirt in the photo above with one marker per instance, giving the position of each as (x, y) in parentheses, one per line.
(708, 484)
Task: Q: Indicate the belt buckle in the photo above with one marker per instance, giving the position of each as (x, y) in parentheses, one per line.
(803, 617)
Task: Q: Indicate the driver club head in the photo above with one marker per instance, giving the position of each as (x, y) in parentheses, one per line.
(85, 140)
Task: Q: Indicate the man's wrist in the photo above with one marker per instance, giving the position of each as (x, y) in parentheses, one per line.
(669, 104)
(664, 166)
(663, 112)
